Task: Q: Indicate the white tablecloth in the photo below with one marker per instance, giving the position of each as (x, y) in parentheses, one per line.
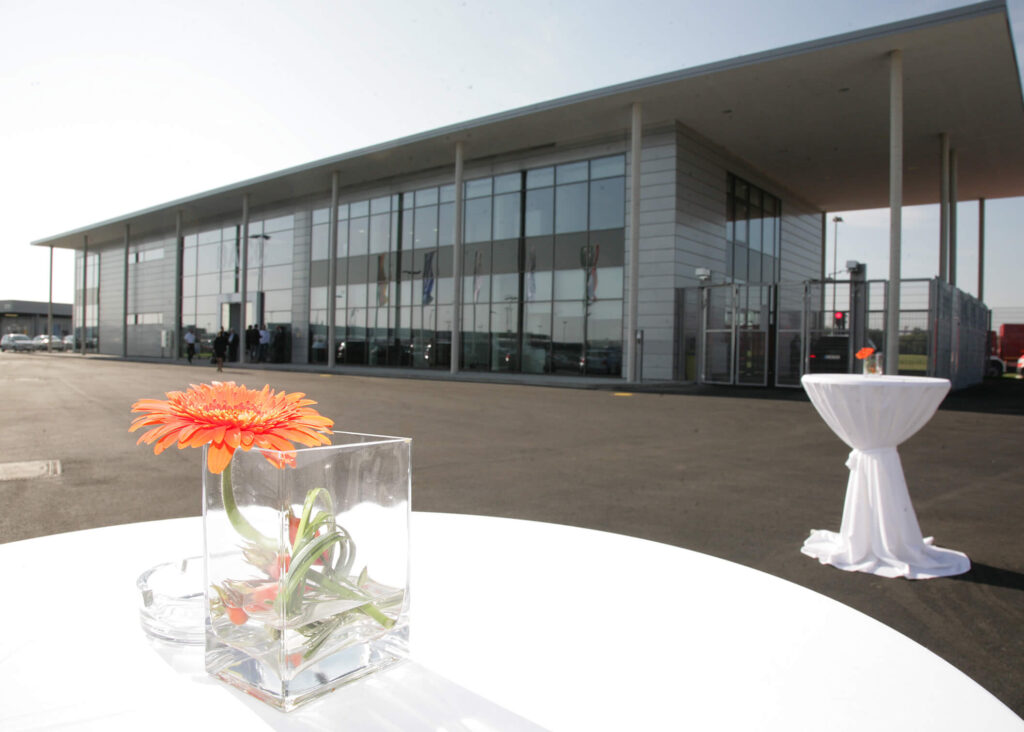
(879, 532)
(515, 625)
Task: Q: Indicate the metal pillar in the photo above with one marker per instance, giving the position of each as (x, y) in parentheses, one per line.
(332, 272)
(944, 206)
(244, 279)
(124, 295)
(179, 279)
(892, 304)
(981, 249)
(85, 280)
(952, 217)
(49, 306)
(456, 337)
(635, 154)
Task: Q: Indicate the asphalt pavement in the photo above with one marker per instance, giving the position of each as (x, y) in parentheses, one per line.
(740, 474)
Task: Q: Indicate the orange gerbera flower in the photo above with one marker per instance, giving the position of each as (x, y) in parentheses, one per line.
(864, 352)
(226, 416)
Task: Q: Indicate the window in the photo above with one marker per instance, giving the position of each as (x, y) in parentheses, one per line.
(753, 233)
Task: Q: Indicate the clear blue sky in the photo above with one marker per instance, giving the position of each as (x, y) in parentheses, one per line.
(114, 106)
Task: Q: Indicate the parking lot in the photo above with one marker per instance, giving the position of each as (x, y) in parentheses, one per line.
(739, 474)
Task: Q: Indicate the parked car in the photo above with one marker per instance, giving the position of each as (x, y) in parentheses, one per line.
(15, 342)
(69, 342)
(42, 342)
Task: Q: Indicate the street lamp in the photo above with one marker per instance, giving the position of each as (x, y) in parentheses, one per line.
(835, 259)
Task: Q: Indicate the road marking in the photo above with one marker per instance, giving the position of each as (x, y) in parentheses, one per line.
(623, 393)
(30, 469)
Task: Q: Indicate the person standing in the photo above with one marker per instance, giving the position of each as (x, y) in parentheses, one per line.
(252, 342)
(220, 346)
(264, 342)
(232, 345)
(190, 344)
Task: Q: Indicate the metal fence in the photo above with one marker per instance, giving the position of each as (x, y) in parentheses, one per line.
(762, 335)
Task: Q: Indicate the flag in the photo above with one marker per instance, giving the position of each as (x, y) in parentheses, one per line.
(592, 256)
(382, 280)
(428, 278)
(478, 265)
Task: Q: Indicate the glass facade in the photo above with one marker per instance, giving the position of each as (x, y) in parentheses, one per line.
(753, 233)
(542, 274)
(90, 298)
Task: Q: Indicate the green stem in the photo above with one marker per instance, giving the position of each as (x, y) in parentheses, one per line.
(368, 609)
(238, 521)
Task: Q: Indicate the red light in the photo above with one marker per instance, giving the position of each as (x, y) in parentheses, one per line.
(839, 316)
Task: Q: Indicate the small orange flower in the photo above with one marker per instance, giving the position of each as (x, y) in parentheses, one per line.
(227, 416)
(864, 352)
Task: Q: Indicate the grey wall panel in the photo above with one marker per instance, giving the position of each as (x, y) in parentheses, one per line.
(111, 298)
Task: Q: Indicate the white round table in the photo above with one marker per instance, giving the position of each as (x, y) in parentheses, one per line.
(879, 533)
(515, 625)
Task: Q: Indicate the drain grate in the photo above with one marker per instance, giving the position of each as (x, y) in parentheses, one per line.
(30, 469)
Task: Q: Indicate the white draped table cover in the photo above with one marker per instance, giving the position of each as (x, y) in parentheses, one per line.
(879, 533)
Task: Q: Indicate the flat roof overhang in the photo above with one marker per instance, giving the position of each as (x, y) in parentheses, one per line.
(813, 117)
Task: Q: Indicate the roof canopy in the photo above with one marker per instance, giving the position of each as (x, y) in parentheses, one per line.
(814, 117)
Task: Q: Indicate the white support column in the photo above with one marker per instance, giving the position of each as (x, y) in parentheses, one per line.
(892, 306)
(49, 306)
(179, 278)
(457, 264)
(944, 206)
(981, 249)
(952, 217)
(85, 280)
(244, 279)
(124, 295)
(332, 273)
(636, 152)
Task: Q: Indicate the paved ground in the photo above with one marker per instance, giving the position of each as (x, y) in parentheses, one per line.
(742, 475)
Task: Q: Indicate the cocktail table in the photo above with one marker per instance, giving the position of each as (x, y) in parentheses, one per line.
(879, 531)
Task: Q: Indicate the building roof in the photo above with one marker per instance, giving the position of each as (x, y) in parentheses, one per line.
(813, 116)
(33, 307)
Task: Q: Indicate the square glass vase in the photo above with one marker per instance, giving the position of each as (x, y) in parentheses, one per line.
(307, 566)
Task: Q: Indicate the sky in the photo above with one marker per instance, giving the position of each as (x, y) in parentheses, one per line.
(112, 106)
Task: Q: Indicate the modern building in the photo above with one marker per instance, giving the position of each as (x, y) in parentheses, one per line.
(34, 318)
(588, 234)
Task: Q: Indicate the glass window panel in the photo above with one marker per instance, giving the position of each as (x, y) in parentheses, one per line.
(540, 177)
(508, 183)
(321, 216)
(358, 236)
(317, 298)
(567, 323)
(359, 208)
(342, 210)
(191, 240)
(608, 203)
(209, 237)
(540, 212)
(739, 254)
(608, 167)
(536, 357)
(537, 268)
(208, 258)
(571, 172)
(754, 229)
(506, 216)
(277, 278)
(342, 238)
(476, 268)
(278, 248)
(446, 224)
(281, 223)
(188, 261)
(571, 208)
(278, 300)
(479, 187)
(380, 205)
(447, 193)
(569, 284)
(380, 232)
(478, 219)
(229, 233)
(425, 227)
(426, 197)
(609, 283)
(320, 245)
(505, 313)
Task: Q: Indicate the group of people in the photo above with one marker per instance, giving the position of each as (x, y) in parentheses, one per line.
(259, 345)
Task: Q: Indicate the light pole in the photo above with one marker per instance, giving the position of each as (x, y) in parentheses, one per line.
(835, 263)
